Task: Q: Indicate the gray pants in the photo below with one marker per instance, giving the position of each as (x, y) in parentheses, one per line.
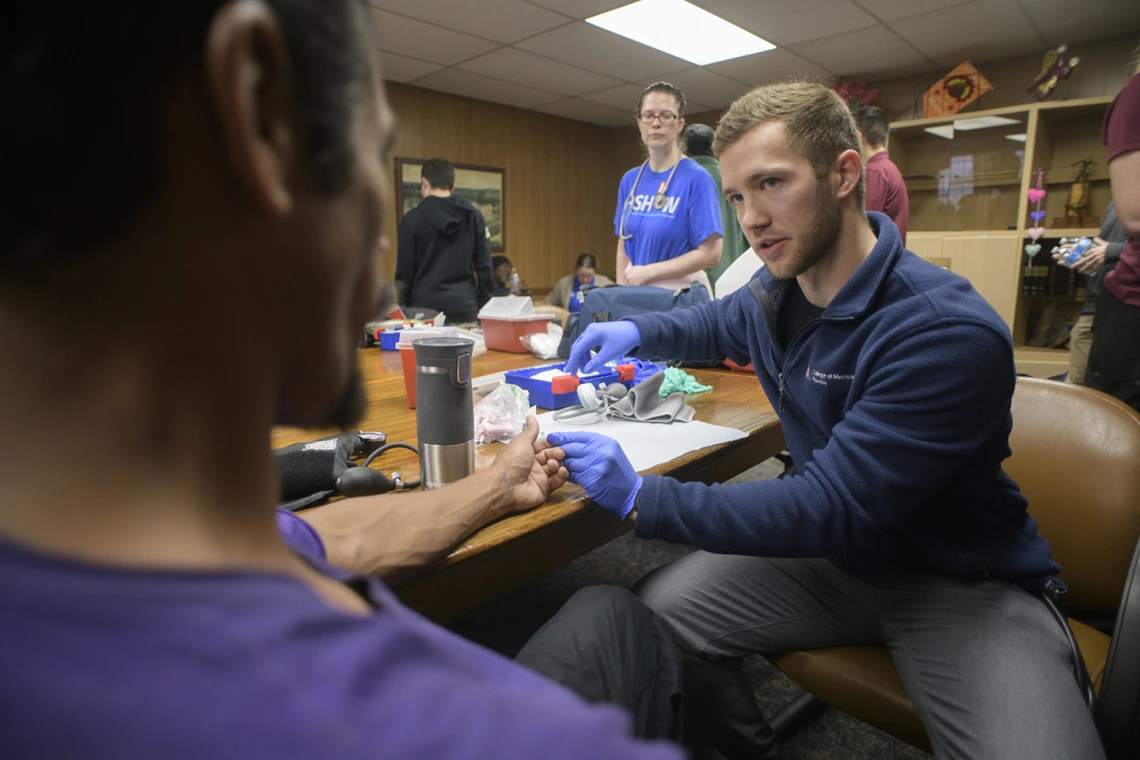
(985, 663)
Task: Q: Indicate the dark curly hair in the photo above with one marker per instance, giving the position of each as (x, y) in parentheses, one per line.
(82, 81)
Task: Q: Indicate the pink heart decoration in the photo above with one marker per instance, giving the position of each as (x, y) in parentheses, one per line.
(1036, 195)
(1035, 233)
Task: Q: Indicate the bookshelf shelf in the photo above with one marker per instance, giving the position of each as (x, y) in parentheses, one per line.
(1060, 232)
(969, 212)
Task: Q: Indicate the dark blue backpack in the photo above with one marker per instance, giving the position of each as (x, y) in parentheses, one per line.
(611, 303)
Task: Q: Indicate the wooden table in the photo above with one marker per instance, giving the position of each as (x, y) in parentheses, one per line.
(505, 554)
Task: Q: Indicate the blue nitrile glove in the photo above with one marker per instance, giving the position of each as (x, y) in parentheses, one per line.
(613, 339)
(597, 463)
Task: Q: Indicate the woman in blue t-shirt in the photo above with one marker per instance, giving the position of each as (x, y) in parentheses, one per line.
(668, 217)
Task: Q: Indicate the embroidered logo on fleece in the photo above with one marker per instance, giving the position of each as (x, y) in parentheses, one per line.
(823, 378)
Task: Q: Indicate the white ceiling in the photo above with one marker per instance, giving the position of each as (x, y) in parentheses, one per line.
(539, 54)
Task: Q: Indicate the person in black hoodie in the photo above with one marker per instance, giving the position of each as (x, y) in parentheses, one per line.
(443, 261)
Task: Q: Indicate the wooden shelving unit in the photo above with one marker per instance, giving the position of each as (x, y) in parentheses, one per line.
(969, 210)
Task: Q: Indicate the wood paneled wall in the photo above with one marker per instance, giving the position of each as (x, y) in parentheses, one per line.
(561, 175)
(1104, 68)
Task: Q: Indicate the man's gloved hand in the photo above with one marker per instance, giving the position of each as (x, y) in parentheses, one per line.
(597, 463)
(613, 339)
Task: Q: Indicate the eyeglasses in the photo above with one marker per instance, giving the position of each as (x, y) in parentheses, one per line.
(647, 117)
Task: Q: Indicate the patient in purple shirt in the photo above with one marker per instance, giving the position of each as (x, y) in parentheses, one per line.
(210, 248)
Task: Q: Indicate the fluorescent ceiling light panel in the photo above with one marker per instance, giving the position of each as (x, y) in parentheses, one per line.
(1017, 138)
(946, 131)
(681, 29)
(983, 122)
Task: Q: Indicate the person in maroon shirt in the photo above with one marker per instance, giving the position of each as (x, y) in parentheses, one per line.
(886, 190)
(1114, 359)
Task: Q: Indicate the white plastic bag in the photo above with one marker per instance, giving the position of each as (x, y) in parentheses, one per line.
(500, 416)
(544, 346)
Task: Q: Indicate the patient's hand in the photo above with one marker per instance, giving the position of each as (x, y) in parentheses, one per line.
(527, 469)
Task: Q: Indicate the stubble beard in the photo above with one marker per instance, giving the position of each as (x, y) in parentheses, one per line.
(820, 238)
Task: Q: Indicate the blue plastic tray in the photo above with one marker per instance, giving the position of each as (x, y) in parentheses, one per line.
(540, 390)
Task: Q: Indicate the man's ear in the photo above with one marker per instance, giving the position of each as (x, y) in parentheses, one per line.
(247, 66)
(849, 167)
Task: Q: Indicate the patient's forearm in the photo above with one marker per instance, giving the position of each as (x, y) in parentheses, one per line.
(396, 535)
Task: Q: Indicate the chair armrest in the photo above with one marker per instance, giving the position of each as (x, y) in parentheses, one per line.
(1118, 708)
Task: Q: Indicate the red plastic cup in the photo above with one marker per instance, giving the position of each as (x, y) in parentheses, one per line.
(408, 361)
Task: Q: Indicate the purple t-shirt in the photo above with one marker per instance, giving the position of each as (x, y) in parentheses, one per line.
(98, 662)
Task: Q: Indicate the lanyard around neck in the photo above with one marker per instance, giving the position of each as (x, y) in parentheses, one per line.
(658, 199)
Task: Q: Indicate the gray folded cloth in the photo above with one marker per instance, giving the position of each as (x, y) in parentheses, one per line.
(644, 404)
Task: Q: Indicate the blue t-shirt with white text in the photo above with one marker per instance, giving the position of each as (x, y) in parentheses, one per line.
(690, 214)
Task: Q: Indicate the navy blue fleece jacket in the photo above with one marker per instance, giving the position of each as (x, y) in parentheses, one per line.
(895, 405)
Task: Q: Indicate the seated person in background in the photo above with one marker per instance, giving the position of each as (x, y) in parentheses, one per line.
(503, 270)
(444, 257)
(148, 604)
(886, 191)
(565, 293)
(898, 525)
(668, 218)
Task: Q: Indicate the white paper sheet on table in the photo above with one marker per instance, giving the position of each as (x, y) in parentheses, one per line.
(648, 444)
(550, 374)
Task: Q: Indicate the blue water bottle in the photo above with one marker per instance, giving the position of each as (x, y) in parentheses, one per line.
(1074, 254)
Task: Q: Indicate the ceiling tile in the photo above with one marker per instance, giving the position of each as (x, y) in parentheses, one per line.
(623, 97)
(459, 82)
(997, 29)
(604, 52)
(846, 54)
(581, 9)
(521, 67)
(893, 10)
(705, 86)
(1105, 18)
(770, 66)
(584, 110)
(503, 21)
(786, 22)
(397, 68)
(415, 39)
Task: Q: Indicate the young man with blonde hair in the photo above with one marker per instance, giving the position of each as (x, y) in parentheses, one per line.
(893, 380)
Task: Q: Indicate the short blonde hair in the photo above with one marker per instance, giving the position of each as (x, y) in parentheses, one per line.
(820, 125)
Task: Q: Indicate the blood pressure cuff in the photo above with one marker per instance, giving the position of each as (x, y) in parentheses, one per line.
(307, 472)
(643, 403)
(611, 303)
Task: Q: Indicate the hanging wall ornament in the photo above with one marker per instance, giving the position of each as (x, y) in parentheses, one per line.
(1056, 66)
(1036, 195)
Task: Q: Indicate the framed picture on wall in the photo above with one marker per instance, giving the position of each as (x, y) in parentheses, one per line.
(482, 186)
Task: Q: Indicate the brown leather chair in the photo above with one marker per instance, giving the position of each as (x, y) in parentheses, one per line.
(1076, 456)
